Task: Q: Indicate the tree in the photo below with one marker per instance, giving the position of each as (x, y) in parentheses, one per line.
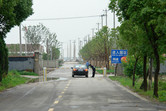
(98, 47)
(149, 16)
(0, 3)
(36, 34)
(12, 13)
(3, 59)
(40, 34)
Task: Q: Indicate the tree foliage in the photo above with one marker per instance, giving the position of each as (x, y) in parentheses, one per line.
(40, 34)
(12, 13)
(149, 16)
(96, 48)
(3, 59)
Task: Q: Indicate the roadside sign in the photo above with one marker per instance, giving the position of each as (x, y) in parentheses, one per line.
(116, 55)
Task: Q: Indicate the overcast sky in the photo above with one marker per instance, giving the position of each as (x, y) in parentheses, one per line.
(70, 29)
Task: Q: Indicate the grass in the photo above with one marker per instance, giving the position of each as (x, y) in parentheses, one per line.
(28, 73)
(127, 82)
(12, 79)
(108, 71)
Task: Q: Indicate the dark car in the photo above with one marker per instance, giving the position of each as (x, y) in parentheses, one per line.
(79, 70)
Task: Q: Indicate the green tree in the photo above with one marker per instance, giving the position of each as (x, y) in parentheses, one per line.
(0, 3)
(36, 34)
(55, 53)
(98, 48)
(12, 13)
(3, 59)
(40, 34)
(149, 16)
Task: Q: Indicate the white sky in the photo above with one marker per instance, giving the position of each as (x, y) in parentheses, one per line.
(66, 30)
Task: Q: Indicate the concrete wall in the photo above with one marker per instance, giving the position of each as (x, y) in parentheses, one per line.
(21, 63)
(120, 70)
(163, 67)
(50, 63)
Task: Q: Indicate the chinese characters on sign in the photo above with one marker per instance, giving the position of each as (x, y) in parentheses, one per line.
(116, 55)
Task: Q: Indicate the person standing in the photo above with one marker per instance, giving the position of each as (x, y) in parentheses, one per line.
(94, 70)
(87, 64)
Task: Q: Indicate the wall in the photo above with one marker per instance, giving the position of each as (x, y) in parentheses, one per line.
(50, 63)
(21, 63)
(163, 67)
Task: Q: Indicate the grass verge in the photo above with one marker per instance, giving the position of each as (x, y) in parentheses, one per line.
(108, 71)
(13, 79)
(27, 73)
(127, 82)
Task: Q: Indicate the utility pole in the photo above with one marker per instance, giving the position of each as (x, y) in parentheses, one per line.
(102, 20)
(114, 18)
(79, 48)
(80, 44)
(98, 25)
(88, 37)
(47, 52)
(106, 44)
(70, 50)
(85, 39)
(20, 40)
(26, 51)
(106, 11)
(61, 50)
(67, 52)
(93, 32)
(74, 52)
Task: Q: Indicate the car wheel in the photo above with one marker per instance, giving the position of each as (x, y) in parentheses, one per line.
(72, 75)
(86, 75)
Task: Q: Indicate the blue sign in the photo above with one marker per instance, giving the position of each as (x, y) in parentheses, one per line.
(116, 55)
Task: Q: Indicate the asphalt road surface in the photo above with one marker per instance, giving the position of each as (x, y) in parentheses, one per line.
(74, 94)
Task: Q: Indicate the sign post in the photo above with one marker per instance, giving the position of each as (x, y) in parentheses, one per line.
(116, 56)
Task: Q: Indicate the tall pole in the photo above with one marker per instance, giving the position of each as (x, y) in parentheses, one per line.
(74, 52)
(88, 37)
(70, 49)
(61, 50)
(80, 44)
(114, 18)
(98, 25)
(26, 51)
(106, 11)
(79, 48)
(106, 45)
(67, 51)
(93, 32)
(85, 39)
(102, 21)
(20, 40)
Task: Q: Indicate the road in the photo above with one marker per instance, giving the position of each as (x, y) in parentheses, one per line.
(73, 94)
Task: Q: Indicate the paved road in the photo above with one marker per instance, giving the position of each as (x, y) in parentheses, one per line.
(73, 94)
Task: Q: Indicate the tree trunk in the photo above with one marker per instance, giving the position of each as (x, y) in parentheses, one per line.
(135, 65)
(142, 85)
(150, 74)
(96, 61)
(145, 75)
(116, 68)
(157, 69)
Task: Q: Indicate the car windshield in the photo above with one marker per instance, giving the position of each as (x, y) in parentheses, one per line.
(80, 66)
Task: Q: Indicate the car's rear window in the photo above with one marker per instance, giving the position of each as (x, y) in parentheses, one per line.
(80, 66)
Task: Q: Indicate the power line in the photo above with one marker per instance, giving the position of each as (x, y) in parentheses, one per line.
(81, 17)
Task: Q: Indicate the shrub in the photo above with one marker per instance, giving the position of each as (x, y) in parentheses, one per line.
(129, 66)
